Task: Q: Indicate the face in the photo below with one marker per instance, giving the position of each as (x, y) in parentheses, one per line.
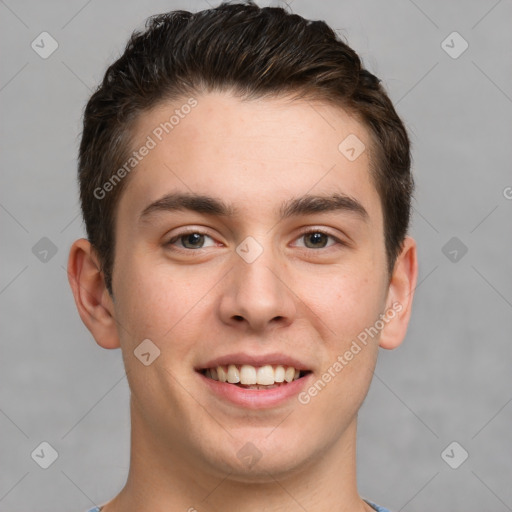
(254, 273)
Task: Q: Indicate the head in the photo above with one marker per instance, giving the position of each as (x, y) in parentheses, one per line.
(244, 113)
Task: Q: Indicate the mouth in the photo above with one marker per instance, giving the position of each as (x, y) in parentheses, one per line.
(251, 377)
(255, 381)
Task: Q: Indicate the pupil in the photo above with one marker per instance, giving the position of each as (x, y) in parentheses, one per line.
(316, 238)
(193, 238)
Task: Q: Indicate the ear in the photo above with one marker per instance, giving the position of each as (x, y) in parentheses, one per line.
(400, 296)
(92, 299)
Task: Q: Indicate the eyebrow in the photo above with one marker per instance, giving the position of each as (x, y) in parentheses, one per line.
(303, 205)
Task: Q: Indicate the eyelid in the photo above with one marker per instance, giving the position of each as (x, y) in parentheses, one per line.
(189, 231)
(306, 231)
(313, 229)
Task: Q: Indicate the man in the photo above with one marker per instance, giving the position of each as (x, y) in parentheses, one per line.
(246, 188)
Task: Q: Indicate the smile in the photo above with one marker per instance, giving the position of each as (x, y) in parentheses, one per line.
(254, 377)
(255, 387)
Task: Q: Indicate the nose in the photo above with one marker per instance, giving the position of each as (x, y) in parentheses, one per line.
(256, 295)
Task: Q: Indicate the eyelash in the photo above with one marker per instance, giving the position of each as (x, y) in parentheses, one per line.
(199, 232)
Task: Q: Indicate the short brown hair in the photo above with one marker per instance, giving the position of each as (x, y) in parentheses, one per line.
(257, 52)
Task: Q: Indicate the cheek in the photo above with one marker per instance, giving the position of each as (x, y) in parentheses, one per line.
(143, 299)
(344, 302)
(345, 306)
(157, 301)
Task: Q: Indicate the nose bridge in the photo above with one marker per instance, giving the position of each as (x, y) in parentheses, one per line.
(256, 292)
(258, 271)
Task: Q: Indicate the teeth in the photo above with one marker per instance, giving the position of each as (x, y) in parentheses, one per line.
(265, 375)
(221, 374)
(248, 375)
(279, 374)
(289, 374)
(233, 374)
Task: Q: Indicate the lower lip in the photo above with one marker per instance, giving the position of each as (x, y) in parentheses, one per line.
(256, 398)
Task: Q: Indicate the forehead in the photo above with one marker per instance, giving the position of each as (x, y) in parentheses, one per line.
(252, 154)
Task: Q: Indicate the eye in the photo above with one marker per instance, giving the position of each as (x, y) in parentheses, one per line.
(191, 240)
(313, 239)
(318, 239)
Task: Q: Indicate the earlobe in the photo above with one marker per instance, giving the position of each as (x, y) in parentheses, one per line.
(400, 296)
(92, 300)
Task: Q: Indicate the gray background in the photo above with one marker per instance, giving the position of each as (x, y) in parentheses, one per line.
(450, 380)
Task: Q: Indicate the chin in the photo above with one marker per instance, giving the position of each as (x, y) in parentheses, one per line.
(262, 458)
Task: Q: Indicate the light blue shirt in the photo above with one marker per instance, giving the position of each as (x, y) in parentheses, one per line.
(376, 507)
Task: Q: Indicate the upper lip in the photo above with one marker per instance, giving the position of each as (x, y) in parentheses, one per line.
(240, 358)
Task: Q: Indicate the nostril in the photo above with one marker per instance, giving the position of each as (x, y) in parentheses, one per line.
(238, 318)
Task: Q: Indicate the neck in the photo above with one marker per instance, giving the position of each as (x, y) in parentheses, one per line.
(163, 478)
